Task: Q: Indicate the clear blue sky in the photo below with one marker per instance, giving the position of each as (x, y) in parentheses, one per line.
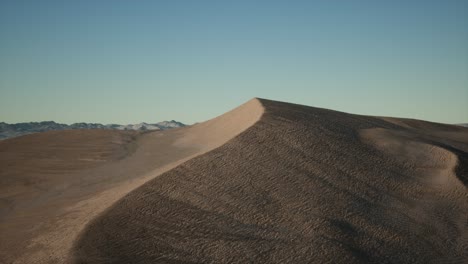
(132, 61)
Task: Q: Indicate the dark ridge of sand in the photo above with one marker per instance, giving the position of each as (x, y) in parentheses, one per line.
(54, 183)
(301, 185)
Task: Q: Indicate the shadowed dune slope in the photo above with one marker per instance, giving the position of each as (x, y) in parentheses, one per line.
(302, 185)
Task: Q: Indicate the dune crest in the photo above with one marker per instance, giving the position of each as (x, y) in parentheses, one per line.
(217, 131)
(301, 185)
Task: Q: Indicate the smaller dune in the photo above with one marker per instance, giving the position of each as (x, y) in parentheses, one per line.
(39, 161)
(39, 174)
(432, 163)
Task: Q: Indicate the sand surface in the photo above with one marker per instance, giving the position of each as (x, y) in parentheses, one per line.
(301, 185)
(54, 183)
(267, 182)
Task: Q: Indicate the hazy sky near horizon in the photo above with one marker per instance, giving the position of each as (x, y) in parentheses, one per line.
(133, 61)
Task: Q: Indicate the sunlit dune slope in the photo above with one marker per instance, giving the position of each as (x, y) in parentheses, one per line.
(54, 183)
(301, 185)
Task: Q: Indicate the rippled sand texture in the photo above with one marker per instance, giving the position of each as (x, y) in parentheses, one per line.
(300, 185)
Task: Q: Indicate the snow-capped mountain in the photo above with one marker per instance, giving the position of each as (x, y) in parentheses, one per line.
(145, 126)
(18, 129)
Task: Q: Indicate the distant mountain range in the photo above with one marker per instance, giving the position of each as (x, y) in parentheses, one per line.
(465, 125)
(19, 129)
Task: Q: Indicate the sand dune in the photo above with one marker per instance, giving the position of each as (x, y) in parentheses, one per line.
(267, 182)
(300, 185)
(54, 183)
